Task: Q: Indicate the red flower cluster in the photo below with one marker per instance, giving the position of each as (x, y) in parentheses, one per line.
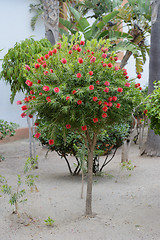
(29, 83)
(46, 88)
(80, 60)
(84, 128)
(106, 90)
(51, 142)
(24, 108)
(79, 75)
(37, 135)
(95, 99)
(90, 73)
(106, 83)
(91, 87)
(95, 120)
(64, 61)
(120, 90)
(56, 89)
(68, 126)
(79, 102)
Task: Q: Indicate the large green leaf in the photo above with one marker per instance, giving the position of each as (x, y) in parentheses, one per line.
(76, 14)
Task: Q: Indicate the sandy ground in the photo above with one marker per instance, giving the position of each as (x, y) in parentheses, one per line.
(126, 207)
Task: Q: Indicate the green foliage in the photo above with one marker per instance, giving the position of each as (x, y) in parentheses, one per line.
(13, 65)
(49, 221)
(30, 164)
(7, 129)
(64, 77)
(153, 108)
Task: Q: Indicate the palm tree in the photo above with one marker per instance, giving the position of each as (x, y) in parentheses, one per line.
(152, 146)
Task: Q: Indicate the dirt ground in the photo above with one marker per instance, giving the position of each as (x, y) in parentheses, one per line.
(126, 207)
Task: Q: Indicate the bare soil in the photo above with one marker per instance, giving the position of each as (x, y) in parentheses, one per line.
(126, 203)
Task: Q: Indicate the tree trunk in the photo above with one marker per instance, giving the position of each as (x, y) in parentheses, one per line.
(51, 19)
(152, 146)
(91, 146)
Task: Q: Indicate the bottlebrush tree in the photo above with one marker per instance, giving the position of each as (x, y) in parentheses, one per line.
(77, 85)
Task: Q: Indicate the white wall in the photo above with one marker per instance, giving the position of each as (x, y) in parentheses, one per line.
(15, 26)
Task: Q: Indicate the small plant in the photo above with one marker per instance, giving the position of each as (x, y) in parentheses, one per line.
(15, 197)
(128, 166)
(49, 221)
(31, 164)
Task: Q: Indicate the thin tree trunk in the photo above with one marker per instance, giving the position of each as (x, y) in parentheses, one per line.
(30, 138)
(91, 146)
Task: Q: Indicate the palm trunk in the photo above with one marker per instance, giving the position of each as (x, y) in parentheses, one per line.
(51, 19)
(125, 58)
(152, 146)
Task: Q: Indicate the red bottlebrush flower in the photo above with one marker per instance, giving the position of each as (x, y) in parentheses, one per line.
(23, 115)
(84, 52)
(95, 120)
(138, 84)
(118, 105)
(44, 65)
(88, 50)
(93, 59)
(127, 84)
(95, 99)
(33, 98)
(84, 128)
(97, 82)
(50, 53)
(139, 76)
(110, 99)
(79, 102)
(67, 98)
(54, 50)
(125, 73)
(37, 65)
(104, 65)
(79, 49)
(24, 108)
(116, 58)
(106, 83)
(36, 123)
(116, 68)
(42, 58)
(29, 83)
(56, 89)
(48, 99)
(38, 81)
(64, 61)
(46, 88)
(104, 115)
(109, 104)
(126, 77)
(104, 55)
(68, 126)
(51, 142)
(40, 94)
(105, 103)
(105, 109)
(74, 91)
(74, 47)
(26, 99)
(70, 52)
(79, 75)
(80, 60)
(30, 116)
(82, 43)
(58, 45)
(39, 60)
(140, 88)
(31, 92)
(114, 98)
(91, 87)
(46, 56)
(120, 90)
(92, 52)
(145, 111)
(106, 90)
(19, 102)
(27, 68)
(110, 65)
(51, 70)
(111, 57)
(90, 73)
(37, 135)
(100, 102)
(45, 73)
